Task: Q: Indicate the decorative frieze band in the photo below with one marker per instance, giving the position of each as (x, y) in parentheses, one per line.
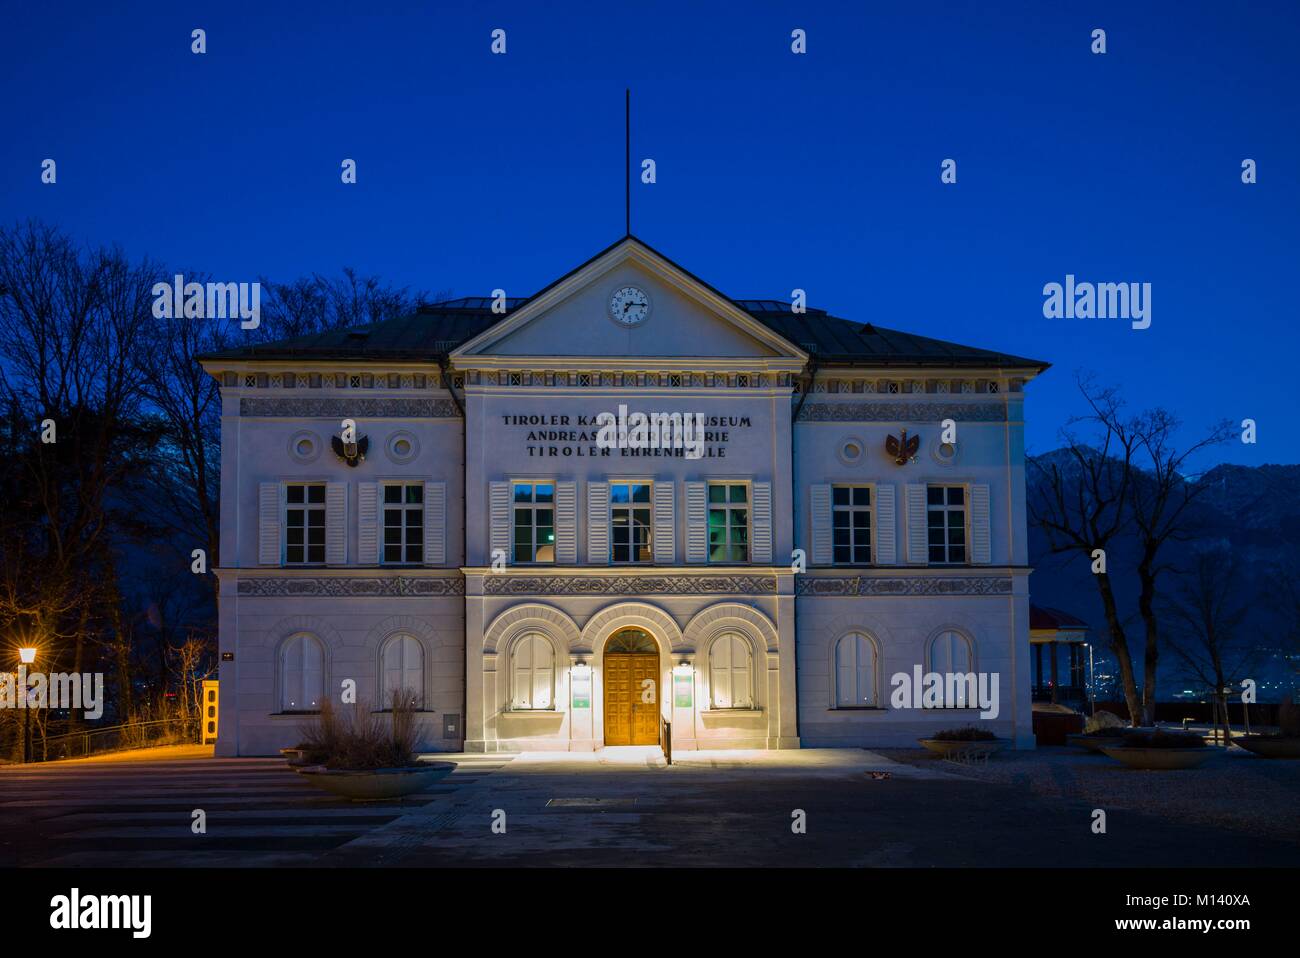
(372, 406)
(630, 585)
(353, 586)
(910, 585)
(597, 379)
(289, 379)
(623, 585)
(903, 412)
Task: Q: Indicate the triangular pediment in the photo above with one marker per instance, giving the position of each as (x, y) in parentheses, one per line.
(686, 320)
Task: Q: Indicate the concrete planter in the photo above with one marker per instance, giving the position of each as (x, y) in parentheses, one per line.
(1159, 759)
(380, 784)
(1267, 746)
(1093, 743)
(946, 748)
(296, 757)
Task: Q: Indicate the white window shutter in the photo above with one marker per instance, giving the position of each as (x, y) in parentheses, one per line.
(761, 540)
(499, 519)
(598, 523)
(665, 523)
(886, 525)
(697, 522)
(336, 523)
(741, 684)
(821, 525)
(846, 692)
(566, 523)
(435, 523)
(368, 523)
(917, 535)
(720, 673)
(980, 544)
(866, 672)
(268, 523)
(522, 674)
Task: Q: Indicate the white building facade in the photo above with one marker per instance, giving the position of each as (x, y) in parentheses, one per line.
(530, 586)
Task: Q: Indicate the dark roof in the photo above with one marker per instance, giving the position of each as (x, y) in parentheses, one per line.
(434, 330)
(835, 341)
(429, 333)
(1043, 617)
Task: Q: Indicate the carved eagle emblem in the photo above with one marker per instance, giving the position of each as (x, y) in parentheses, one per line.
(350, 452)
(902, 448)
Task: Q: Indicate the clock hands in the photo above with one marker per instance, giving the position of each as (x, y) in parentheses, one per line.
(629, 299)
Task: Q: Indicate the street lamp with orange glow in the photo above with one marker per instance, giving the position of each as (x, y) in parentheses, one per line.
(27, 656)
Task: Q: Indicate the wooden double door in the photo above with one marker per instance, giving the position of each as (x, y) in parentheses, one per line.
(632, 698)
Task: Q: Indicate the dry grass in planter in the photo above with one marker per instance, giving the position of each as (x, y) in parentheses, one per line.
(369, 757)
(962, 743)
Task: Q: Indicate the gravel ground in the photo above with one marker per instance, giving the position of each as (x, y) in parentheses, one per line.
(1234, 790)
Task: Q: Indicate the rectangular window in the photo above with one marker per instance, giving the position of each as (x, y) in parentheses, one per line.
(728, 522)
(534, 507)
(946, 514)
(304, 523)
(403, 523)
(630, 518)
(851, 524)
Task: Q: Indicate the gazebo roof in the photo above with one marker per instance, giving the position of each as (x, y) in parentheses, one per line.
(1045, 617)
(1048, 624)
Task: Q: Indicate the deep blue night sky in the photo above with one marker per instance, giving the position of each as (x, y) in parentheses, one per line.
(775, 171)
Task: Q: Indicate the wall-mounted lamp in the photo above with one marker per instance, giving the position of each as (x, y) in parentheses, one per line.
(27, 655)
(683, 667)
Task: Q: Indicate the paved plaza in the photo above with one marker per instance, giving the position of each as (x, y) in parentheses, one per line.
(619, 807)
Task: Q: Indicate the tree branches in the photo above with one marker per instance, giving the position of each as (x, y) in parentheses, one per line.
(1126, 477)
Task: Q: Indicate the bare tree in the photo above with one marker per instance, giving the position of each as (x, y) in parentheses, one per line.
(316, 303)
(187, 401)
(134, 469)
(1206, 615)
(1160, 501)
(1080, 503)
(1284, 606)
(70, 320)
(192, 664)
(1131, 480)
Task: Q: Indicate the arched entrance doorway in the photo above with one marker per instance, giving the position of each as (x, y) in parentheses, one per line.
(631, 677)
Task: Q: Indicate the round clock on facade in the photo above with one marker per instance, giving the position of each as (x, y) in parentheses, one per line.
(629, 306)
